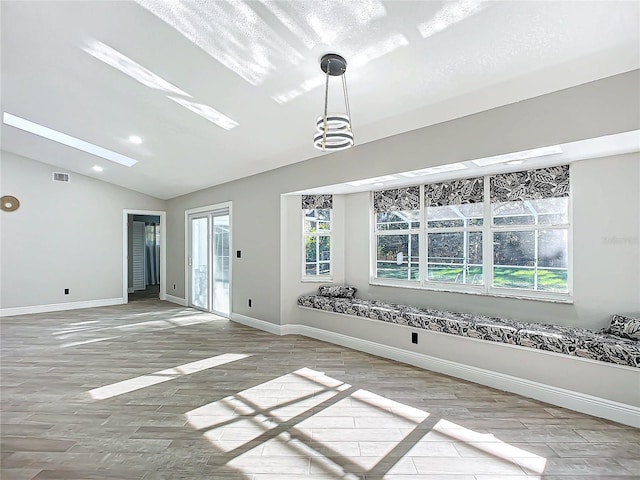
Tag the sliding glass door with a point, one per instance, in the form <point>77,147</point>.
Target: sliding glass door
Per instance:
<point>209,261</point>
<point>221,265</point>
<point>199,262</point>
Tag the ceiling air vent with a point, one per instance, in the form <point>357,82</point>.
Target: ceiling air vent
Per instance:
<point>60,177</point>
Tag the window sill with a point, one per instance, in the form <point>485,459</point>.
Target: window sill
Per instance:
<point>509,294</point>
<point>317,279</point>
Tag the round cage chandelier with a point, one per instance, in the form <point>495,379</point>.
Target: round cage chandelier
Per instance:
<point>333,130</point>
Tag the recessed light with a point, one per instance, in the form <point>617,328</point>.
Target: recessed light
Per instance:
<point>97,168</point>
<point>135,139</point>
<point>67,140</point>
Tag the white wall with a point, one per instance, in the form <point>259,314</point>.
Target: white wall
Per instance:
<point>64,235</point>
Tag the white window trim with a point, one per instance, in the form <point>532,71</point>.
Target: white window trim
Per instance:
<point>487,289</point>
<point>316,278</point>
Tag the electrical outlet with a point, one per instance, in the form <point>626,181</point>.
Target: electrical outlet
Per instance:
<point>414,337</point>
<point>238,254</point>
<point>249,303</point>
<point>66,291</point>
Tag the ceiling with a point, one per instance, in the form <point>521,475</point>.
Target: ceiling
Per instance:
<point>103,71</point>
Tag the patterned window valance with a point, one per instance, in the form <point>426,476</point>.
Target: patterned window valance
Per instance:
<point>455,192</point>
<point>531,185</point>
<point>312,202</point>
<point>397,199</point>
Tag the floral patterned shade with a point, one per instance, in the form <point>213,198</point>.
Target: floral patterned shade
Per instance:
<point>312,202</point>
<point>548,182</point>
<point>397,199</point>
<point>455,192</point>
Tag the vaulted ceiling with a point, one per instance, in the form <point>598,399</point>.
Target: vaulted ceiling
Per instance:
<point>220,90</point>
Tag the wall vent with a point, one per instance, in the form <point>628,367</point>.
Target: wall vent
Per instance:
<point>61,177</point>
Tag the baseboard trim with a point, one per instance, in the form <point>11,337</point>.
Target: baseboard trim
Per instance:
<point>257,324</point>
<point>178,300</point>
<point>56,307</point>
<point>580,402</point>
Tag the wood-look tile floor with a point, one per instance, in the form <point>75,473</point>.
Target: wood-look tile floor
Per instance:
<point>155,391</point>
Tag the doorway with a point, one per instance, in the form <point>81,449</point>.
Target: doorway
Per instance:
<point>208,259</point>
<point>144,255</point>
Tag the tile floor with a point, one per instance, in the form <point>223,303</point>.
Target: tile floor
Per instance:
<point>155,391</point>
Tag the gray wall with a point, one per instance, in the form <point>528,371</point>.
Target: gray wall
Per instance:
<point>64,235</point>
<point>599,108</point>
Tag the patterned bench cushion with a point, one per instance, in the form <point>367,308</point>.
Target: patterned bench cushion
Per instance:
<point>552,338</point>
<point>495,329</point>
<point>610,348</point>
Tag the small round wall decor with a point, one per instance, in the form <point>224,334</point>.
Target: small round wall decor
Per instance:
<point>9,203</point>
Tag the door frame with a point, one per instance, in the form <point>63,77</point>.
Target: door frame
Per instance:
<point>205,209</point>
<point>125,250</point>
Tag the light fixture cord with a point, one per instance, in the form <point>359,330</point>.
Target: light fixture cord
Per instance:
<point>326,103</point>
<point>346,101</point>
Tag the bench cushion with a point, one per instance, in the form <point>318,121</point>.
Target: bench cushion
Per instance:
<point>552,338</point>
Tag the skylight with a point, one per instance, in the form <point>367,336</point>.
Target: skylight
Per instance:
<point>432,170</point>
<point>68,140</point>
<point>522,155</point>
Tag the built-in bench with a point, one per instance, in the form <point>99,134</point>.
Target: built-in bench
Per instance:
<point>572,341</point>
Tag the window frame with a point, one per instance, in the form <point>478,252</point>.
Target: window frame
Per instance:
<point>487,288</point>
<point>374,247</point>
<point>318,278</point>
<point>473,287</point>
<point>510,291</point>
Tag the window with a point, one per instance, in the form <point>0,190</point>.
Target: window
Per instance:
<point>506,234</point>
<point>454,212</point>
<point>397,234</point>
<point>397,245</point>
<point>317,236</point>
<point>530,230</point>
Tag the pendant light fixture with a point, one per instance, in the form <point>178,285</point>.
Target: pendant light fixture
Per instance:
<point>333,130</point>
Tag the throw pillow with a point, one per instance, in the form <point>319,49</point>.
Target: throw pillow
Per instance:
<point>336,291</point>
<point>625,326</point>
